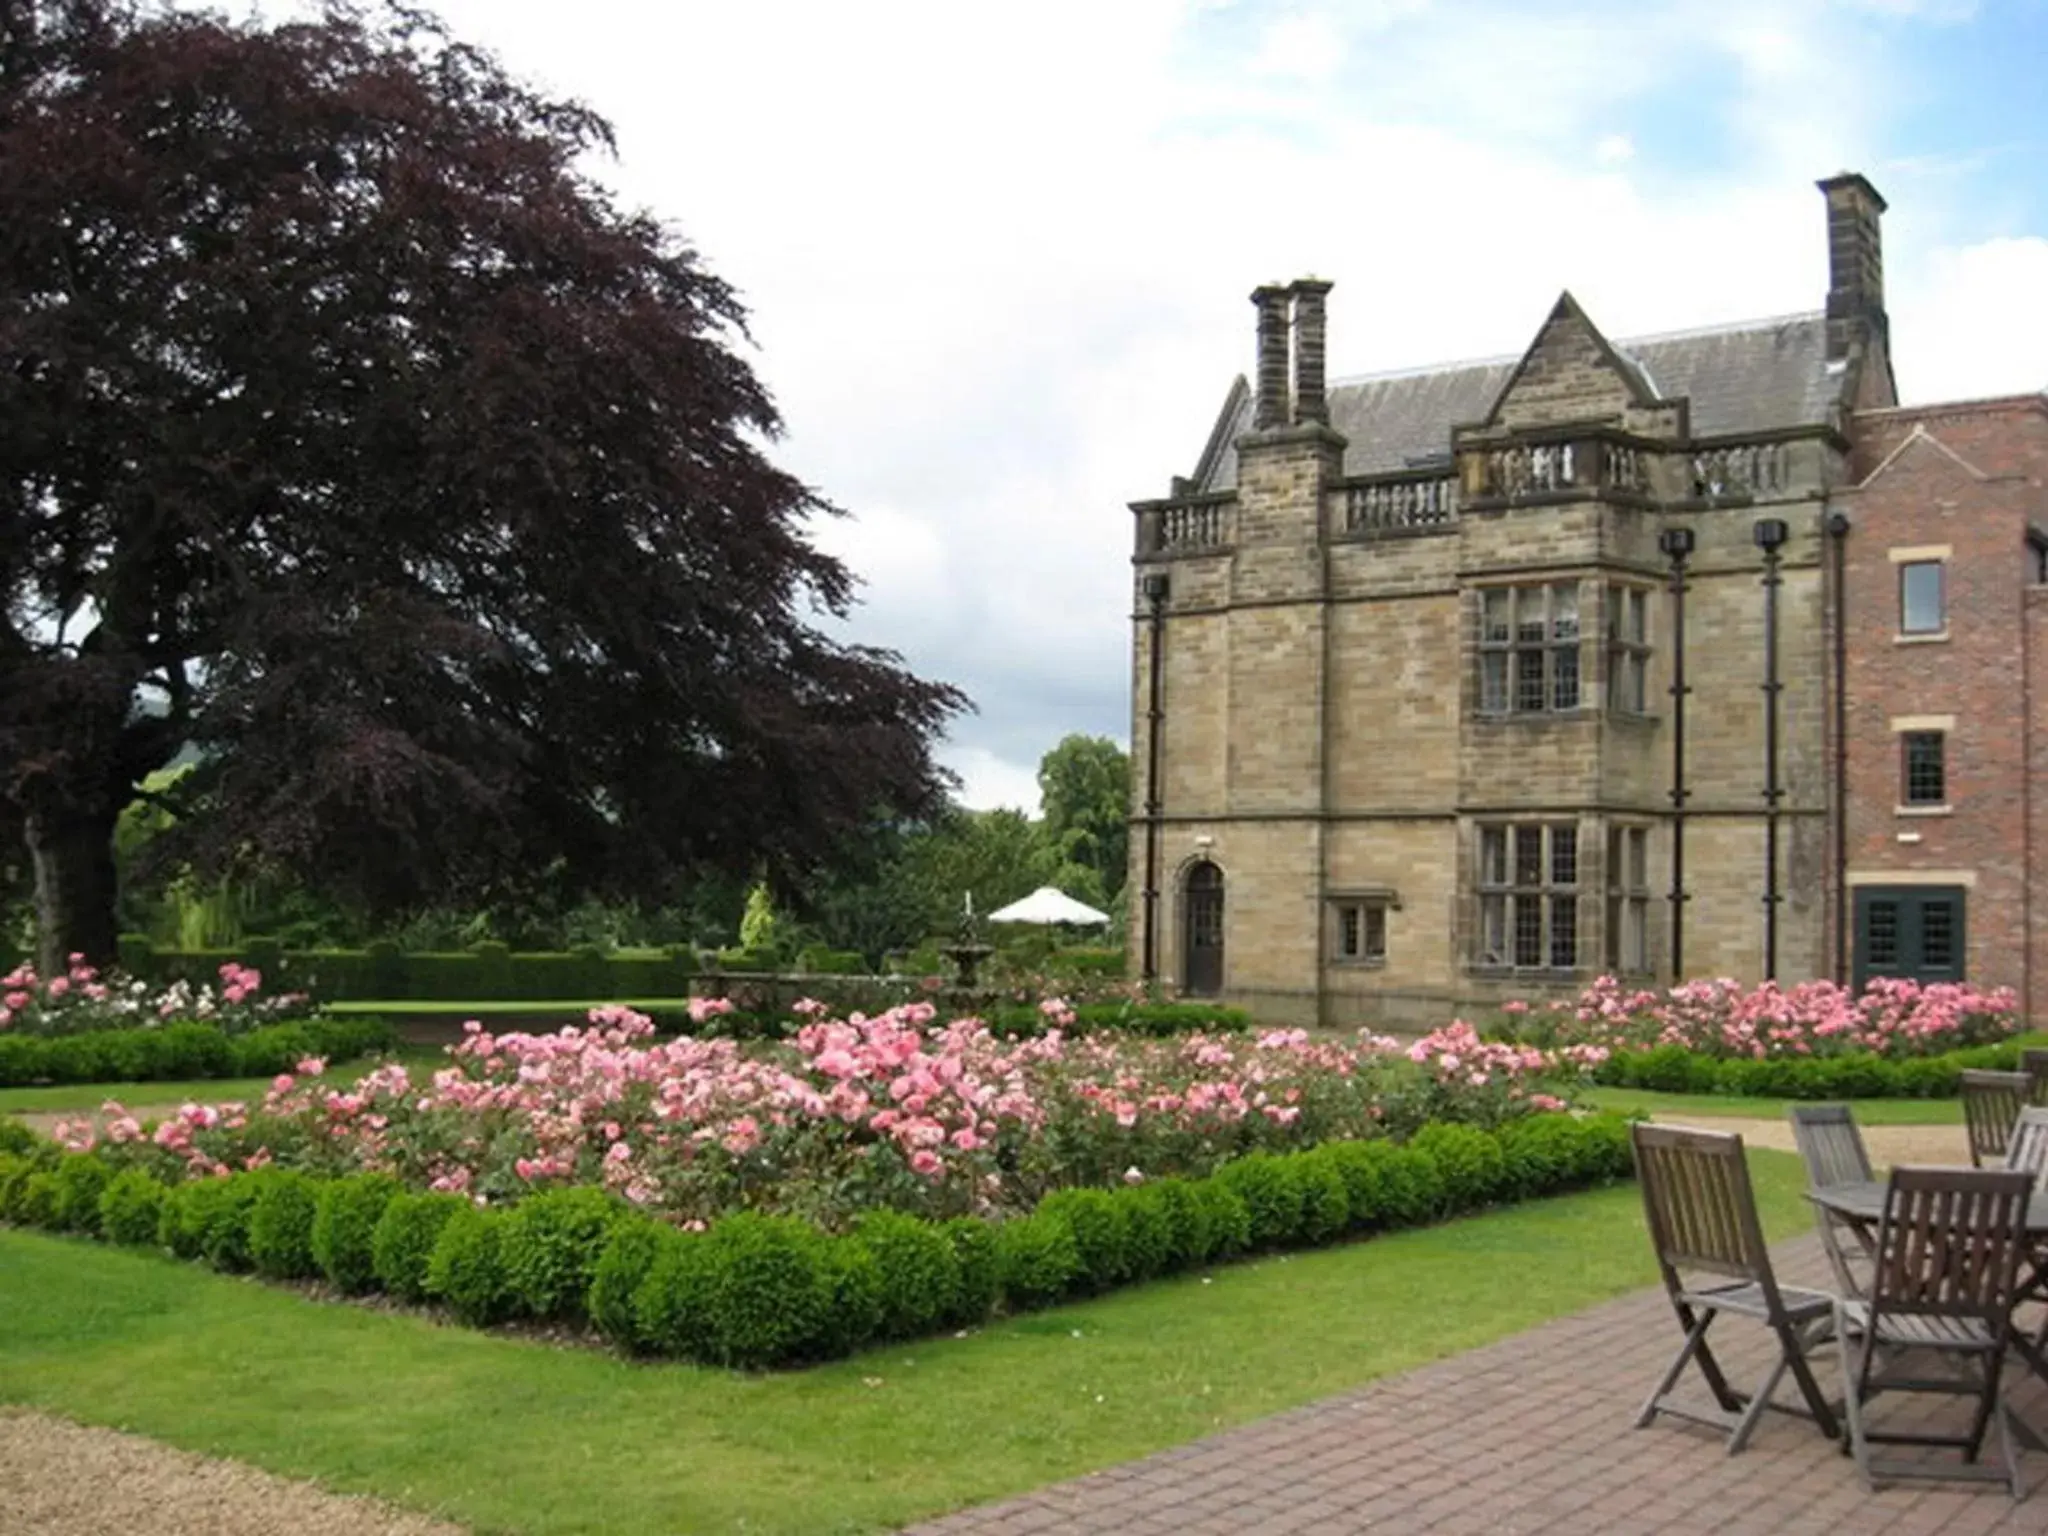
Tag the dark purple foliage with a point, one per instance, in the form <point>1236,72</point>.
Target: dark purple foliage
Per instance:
<point>347,426</point>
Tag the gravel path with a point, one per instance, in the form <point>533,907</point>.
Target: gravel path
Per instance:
<point>63,1479</point>
<point>1888,1144</point>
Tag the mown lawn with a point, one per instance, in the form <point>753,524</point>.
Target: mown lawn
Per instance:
<point>1629,1101</point>
<point>511,1436</point>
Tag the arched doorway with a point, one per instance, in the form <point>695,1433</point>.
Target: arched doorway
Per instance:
<point>1202,931</point>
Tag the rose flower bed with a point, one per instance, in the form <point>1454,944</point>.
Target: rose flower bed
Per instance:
<point>83,1027</point>
<point>874,1179</point>
<point>1811,1040</point>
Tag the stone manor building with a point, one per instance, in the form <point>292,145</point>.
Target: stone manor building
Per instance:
<point>1476,682</point>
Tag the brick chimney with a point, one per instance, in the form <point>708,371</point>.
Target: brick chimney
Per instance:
<point>1311,400</point>
<point>1269,409</point>
<point>1855,264</point>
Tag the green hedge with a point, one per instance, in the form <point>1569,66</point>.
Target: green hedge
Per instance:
<point>1861,1075</point>
<point>758,1291</point>
<point>1134,1018</point>
<point>176,1051</point>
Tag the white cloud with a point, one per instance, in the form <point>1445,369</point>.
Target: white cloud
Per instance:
<point>1979,324</point>
<point>1614,149</point>
<point>989,783</point>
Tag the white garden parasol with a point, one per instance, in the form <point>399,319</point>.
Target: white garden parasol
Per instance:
<point>1048,905</point>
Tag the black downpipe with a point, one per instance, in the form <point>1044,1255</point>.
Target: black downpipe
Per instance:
<point>1838,526</point>
<point>1155,587</point>
<point>1770,536</point>
<point>1677,544</point>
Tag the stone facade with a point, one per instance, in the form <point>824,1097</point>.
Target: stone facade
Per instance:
<point>1416,639</point>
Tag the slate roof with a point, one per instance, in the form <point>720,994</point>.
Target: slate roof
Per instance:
<point>1750,377</point>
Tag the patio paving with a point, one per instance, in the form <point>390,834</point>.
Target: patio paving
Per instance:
<point>1531,1434</point>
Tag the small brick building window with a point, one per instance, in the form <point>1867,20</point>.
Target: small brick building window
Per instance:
<point>1628,650</point>
<point>1924,776</point>
<point>1922,610</point>
<point>1628,900</point>
<point>1529,649</point>
<point>1528,896</point>
<point>1359,930</point>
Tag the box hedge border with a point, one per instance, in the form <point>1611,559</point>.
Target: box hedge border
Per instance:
<point>757,1291</point>
<point>1857,1075</point>
<point>170,1052</point>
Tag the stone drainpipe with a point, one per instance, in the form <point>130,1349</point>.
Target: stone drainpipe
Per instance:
<point>1312,409</point>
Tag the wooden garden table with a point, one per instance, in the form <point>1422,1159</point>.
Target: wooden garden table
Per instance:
<point>1861,1204</point>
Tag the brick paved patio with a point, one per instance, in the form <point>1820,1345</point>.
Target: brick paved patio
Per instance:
<point>1530,1434</point>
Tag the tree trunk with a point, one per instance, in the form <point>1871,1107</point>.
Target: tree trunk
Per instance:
<point>73,857</point>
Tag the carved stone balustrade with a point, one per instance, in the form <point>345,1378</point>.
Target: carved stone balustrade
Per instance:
<point>1385,504</point>
<point>1204,523</point>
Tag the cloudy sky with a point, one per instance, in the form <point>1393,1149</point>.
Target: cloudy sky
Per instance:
<point>997,256</point>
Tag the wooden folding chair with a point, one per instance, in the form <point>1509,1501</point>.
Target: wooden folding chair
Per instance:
<point>1948,1254</point>
<point>1831,1146</point>
<point>2034,1062</point>
<point>2027,1150</point>
<point>1992,1102</point>
<point>1702,1217</point>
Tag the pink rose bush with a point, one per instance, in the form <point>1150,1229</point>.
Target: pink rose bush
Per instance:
<point>1892,1017</point>
<point>81,1000</point>
<point>896,1110</point>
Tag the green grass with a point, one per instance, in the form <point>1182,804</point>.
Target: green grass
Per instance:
<point>1630,1101</point>
<point>159,1097</point>
<point>508,1436</point>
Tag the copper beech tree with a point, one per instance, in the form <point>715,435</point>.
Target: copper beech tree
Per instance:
<point>354,442</point>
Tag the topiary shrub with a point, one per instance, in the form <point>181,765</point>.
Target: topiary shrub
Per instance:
<point>551,1244</point>
<point>770,1294</point>
<point>1360,1166</point>
<point>16,1138</point>
<point>81,1180</point>
<point>1152,1243</point>
<point>979,1284</point>
<point>672,1306</point>
<point>1541,1153</point>
<point>1271,1194</point>
<point>633,1244</point>
<point>35,1201</point>
<point>281,1225</point>
<point>1468,1161</point>
<point>1037,1260</point>
<point>467,1270</point>
<point>225,1241</point>
<point>853,1314</point>
<point>1177,1206</point>
<point>402,1246</point>
<point>1225,1219</point>
<point>1325,1202</point>
<point>919,1272</point>
<point>345,1219</point>
<point>131,1208</point>
<point>1605,1148</point>
<point>1102,1234</point>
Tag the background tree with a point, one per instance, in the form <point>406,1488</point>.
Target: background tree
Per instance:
<point>358,440</point>
<point>1085,786</point>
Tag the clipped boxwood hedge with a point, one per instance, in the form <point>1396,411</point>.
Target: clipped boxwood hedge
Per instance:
<point>1859,1075</point>
<point>757,1291</point>
<point>171,1052</point>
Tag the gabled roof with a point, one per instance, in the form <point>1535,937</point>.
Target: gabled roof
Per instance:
<point>1755,376</point>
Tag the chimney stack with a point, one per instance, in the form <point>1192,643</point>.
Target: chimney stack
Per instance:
<point>1270,407</point>
<point>1311,400</point>
<point>1855,264</point>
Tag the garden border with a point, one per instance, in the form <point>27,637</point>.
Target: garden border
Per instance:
<point>758,1291</point>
